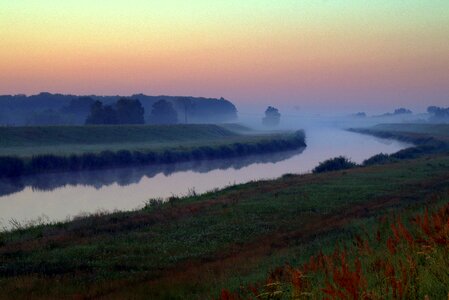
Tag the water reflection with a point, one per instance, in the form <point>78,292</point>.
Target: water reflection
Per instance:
<point>133,175</point>
<point>64,195</point>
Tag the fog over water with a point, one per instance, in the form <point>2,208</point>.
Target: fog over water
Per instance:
<point>56,197</point>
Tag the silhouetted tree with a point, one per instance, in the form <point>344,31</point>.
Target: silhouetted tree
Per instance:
<point>439,114</point>
<point>79,105</point>
<point>129,111</point>
<point>100,114</point>
<point>110,115</point>
<point>401,111</point>
<point>360,115</point>
<point>272,117</point>
<point>163,113</point>
<point>46,117</point>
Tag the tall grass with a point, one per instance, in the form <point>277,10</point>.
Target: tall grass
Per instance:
<point>403,258</point>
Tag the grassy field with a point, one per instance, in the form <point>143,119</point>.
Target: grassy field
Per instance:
<point>65,140</point>
<point>34,150</point>
<point>195,246</point>
<point>253,240</point>
<point>436,130</point>
<point>414,133</point>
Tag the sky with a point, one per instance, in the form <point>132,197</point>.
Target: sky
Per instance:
<point>372,55</point>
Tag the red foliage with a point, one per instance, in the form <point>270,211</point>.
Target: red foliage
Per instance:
<point>344,278</point>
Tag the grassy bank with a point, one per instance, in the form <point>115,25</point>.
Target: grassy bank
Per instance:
<point>31,150</point>
<point>194,247</point>
<point>427,139</point>
<point>431,135</point>
<point>404,257</point>
<point>66,140</point>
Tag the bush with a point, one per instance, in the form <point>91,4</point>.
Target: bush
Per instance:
<point>378,159</point>
<point>414,152</point>
<point>334,164</point>
<point>124,157</point>
<point>11,166</point>
<point>48,162</point>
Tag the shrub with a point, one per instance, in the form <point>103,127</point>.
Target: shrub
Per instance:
<point>124,157</point>
<point>11,166</point>
<point>334,164</point>
<point>48,162</point>
<point>378,159</point>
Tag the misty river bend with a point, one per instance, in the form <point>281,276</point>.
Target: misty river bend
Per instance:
<point>60,196</point>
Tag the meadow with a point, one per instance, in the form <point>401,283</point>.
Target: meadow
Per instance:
<point>32,150</point>
<point>374,231</point>
<point>28,141</point>
<point>194,247</point>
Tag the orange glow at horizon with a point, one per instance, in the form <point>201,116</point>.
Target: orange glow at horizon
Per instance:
<point>258,51</point>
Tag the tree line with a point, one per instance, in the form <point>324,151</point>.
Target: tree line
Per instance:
<point>131,111</point>
<point>59,109</point>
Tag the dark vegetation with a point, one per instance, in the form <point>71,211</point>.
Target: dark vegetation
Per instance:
<point>428,139</point>
<point>58,109</point>
<point>193,247</point>
<point>163,112</point>
<point>234,146</point>
<point>334,164</point>
<point>272,117</point>
<point>132,175</point>
<point>404,257</point>
<point>53,136</point>
<point>397,112</point>
<point>360,115</point>
<point>438,114</point>
<point>124,111</point>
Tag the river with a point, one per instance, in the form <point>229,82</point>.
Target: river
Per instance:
<point>61,196</point>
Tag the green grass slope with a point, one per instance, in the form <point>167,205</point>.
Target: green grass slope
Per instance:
<point>61,140</point>
<point>440,131</point>
<point>191,248</point>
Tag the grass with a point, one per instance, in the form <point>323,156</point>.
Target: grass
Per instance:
<point>402,257</point>
<point>193,247</point>
<point>418,134</point>
<point>436,130</point>
<point>248,240</point>
<point>65,140</point>
<point>32,150</point>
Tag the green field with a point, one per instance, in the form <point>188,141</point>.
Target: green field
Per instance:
<point>64,140</point>
<point>439,131</point>
<point>193,247</point>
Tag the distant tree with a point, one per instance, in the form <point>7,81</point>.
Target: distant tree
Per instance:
<point>272,117</point>
<point>438,114</point>
<point>46,117</point>
<point>163,113</point>
<point>96,113</point>
<point>129,111</point>
<point>110,115</point>
<point>401,111</point>
<point>80,105</point>
<point>360,115</point>
<point>100,114</point>
<point>188,107</point>
<point>433,109</point>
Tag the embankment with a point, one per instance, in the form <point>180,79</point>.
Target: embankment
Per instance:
<point>47,149</point>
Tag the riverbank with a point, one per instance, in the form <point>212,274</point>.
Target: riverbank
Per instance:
<point>33,150</point>
<point>427,139</point>
<point>431,135</point>
<point>192,247</point>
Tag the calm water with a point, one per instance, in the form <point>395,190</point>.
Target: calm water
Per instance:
<point>52,197</point>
